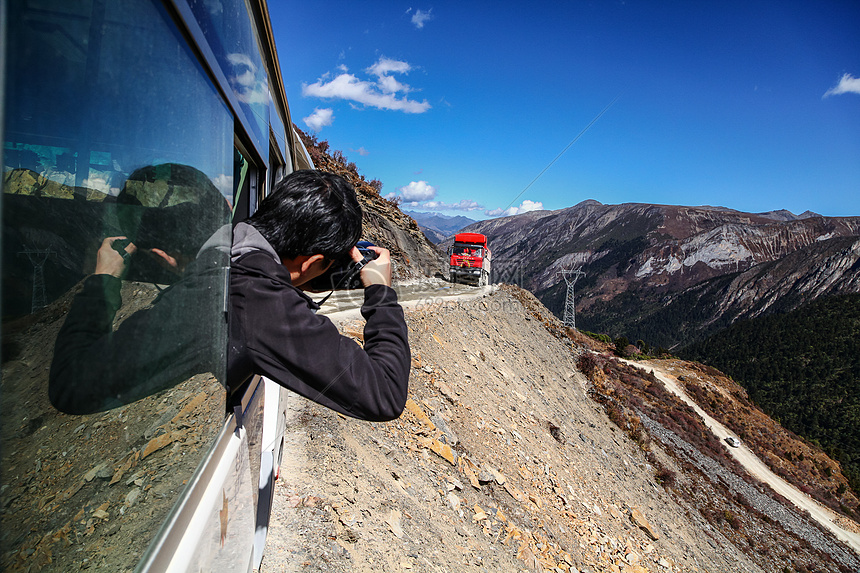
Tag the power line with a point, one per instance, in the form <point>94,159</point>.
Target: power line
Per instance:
<point>557,157</point>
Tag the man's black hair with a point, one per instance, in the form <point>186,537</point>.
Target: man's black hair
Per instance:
<point>310,212</point>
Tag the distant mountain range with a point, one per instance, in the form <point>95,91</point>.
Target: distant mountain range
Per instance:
<point>672,274</point>
<point>437,226</point>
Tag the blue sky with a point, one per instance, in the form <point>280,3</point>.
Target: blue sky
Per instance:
<point>458,106</point>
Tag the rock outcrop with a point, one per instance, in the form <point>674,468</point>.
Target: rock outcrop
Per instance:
<point>384,223</point>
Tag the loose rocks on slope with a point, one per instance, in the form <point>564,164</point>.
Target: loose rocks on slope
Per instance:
<point>525,473</point>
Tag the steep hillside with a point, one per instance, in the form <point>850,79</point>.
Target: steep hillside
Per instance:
<point>432,235</point>
<point>508,458</point>
<point>823,268</point>
<point>806,376</point>
<point>670,274</point>
<point>384,223</point>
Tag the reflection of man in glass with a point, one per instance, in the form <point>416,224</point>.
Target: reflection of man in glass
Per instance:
<point>173,223</point>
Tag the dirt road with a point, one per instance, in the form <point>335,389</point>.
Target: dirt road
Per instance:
<point>755,466</point>
<point>344,305</point>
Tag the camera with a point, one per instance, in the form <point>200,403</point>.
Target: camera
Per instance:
<point>344,273</point>
<point>143,268</point>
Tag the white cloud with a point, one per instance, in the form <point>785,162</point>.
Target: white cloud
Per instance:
<point>847,84</point>
<point>524,207</point>
<point>417,191</point>
<point>98,182</point>
<point>386,66</point>
<point>419,17</point>
<point>240,59</point>
<point>381,93</point>
<point>530,206</point>
<point>248,86</point>
<point>362,151</point>
<point>390,85</point>
<point>319,118</point>
<point>224,183</point>
<point>215,7</point>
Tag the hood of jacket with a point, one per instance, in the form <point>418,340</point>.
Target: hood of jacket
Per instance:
<point>246,239</point>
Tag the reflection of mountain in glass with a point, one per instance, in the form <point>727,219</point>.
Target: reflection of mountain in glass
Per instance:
<point>104,479</point>
<point>41,214</point>
<point>32,184</point>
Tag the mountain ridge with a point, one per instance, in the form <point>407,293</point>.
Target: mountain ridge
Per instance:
<point>437,226</point>
<point>643,252</point>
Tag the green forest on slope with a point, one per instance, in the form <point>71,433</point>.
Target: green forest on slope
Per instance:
<point>803,369</point>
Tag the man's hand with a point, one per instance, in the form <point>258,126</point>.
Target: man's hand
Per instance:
<point>377,271</point>
<point>113,259</point>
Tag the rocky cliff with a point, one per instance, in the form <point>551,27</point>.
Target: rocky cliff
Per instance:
<point>385,224</point>
<point>666,272</point>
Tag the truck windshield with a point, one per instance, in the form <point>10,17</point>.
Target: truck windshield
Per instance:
<point>470,251</point>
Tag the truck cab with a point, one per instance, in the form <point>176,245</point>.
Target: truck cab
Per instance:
<point>469,259</point>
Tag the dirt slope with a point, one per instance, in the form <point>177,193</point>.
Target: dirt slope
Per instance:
<point>503,462</point>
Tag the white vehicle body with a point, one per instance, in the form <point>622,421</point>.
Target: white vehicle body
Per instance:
<point>182,478</point>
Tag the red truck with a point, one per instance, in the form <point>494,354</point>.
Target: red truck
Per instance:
<point>469,259</point>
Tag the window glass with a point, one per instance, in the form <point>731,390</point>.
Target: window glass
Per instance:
<point>470,251</point>
<point>276,171</point>
<point>113,350</point>
<point>277,127</point>
<point>226,24</point>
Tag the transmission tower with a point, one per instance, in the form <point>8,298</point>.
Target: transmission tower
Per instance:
<point>570,277</point>
<point>38,257</point>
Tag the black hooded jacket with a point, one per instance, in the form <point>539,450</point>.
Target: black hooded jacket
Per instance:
<point>275,332</point>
